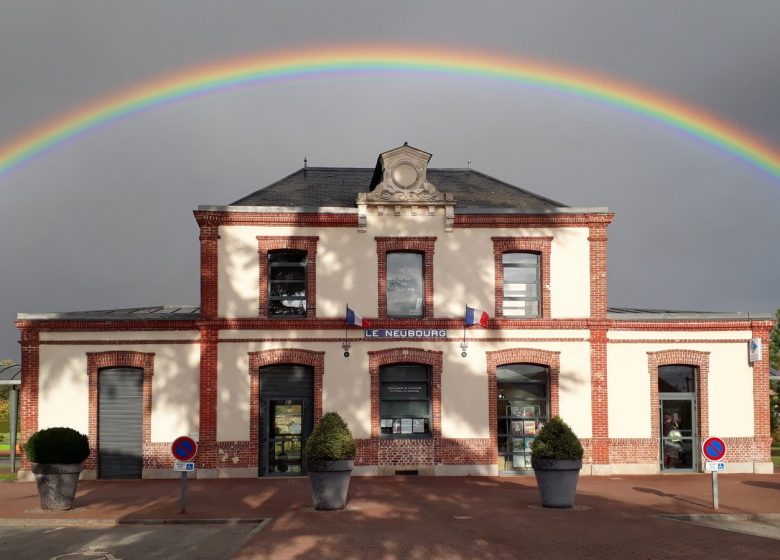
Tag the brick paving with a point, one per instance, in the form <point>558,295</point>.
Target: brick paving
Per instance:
<point>444,517</point>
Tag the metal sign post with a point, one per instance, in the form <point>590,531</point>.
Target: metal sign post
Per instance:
<point>183,449</point>
<point>714,449</point>
<point>14,396</point>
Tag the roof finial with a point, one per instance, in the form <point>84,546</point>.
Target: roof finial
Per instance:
<point>406,143</point>
<point>469,163</point>
<point>305,162</point>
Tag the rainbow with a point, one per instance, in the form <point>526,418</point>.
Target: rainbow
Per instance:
<point>360,59</point>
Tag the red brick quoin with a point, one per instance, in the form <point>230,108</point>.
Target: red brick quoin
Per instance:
<point>549,359</point>
<point>257,360</point>
<point>114,359</point>
<point>403,451</point>
<point>422,245</point>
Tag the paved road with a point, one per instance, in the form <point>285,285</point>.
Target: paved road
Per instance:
<point>123,542</point>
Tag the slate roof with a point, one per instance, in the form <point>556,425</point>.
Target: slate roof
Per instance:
<point>339,186</point>
<point>169,312</point>
<point>634,313</point>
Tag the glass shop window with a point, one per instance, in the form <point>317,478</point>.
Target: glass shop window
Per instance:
<point>521,284</point>
<point>405,401</point>
<point>405,285</point>
<point>287,284</point>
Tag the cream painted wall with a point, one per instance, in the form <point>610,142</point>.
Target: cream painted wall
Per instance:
<point>346,385</point>
<point>730,390</point>
<point>347,266</point>
<point>628,386</point>
<point>64,390</point>
<point>617,334</point>
<point>343,259</point>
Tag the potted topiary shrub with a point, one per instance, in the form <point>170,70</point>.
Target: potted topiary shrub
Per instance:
<point>556,456</point>
<point>330,454</point>
<point>56,455</point>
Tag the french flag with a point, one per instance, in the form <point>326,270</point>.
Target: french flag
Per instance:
<point>476,317</point>
<point>355,319</point>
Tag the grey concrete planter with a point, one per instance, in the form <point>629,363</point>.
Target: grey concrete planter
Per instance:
<point>557,481</point>
<point>329,482</point>
<point>56,484</point>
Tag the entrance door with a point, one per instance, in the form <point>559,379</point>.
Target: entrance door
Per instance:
<point>120,423</point>
<point>521,411</point>
<point>286,418</point>
<point>679,441</point>
<point>285,439</point>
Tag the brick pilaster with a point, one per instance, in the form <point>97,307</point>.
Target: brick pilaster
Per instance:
<point>597,239</point>
<point>207,453</point>
<point>761,427</point>
<point>28,409</point>
<point>599,393</point>
<point>209,261</point>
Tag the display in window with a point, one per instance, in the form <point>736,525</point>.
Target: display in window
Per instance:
<point>418,426</point>
<point>406,425</point>
<point>529,427</point>
<point>397,426</point>
<point>528,443</point>
<point>518,446</point>
<point>521,461</point>
<point>517,427</point>
<point>516,411</point>
<point>530,411</point>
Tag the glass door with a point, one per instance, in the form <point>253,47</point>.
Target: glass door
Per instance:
<point>285,437</point>
<point>679,440</point>
<point>521,411</point>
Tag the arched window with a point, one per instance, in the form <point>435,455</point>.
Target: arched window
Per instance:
<point>287,283</point>
<point>405,400</point>
<point>405,285</point>
<point>521,284</point>
<point>676,379</point>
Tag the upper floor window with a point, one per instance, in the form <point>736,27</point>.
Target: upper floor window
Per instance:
<point>287,284</point>
<point>405,285</point>
<point>522,273</point>
<point>288,277</point>
<point>405,277</point>
<point>521,284</point>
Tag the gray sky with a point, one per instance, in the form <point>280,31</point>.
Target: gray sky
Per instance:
<point>106,220</point>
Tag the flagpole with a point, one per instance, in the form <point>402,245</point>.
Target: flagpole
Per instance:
<point>465,314</point>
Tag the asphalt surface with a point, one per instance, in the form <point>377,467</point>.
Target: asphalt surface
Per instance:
<point>399,518</point>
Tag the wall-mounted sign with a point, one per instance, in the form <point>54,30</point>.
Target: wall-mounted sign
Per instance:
<point>407,390</point>
<point>755,350</point>
<point>405,333</point>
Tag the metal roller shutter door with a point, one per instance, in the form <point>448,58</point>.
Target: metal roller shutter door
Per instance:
<point>120,423</point>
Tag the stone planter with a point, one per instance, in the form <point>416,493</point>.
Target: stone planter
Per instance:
<point>329,482</point>
<point>557,481</point>
<point>56,484</point>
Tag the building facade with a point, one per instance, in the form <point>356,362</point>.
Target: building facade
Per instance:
<point>407,247</point>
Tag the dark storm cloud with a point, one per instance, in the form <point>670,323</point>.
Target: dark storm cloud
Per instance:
<point>105,220</point>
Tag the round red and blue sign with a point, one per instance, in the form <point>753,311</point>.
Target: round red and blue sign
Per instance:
<point>714,448</point>
<point>184,448</point>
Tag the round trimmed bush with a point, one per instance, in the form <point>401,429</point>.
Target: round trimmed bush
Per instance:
<point>556,440</point>
<point>57,445</point>
<point>331,440</point>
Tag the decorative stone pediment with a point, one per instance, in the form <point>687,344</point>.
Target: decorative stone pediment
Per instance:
<point>400,180</point>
